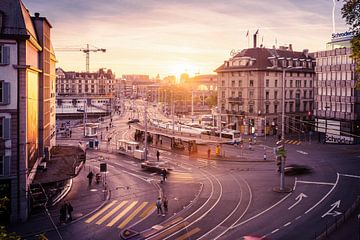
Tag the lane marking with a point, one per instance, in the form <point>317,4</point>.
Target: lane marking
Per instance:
<point>349,175</point>
<point>321,200</point>
<point>274,231</point>
<point>111,212</point>
<point>121,214</point>
<point>302,152</point>
<point>287,224</point>
<point>317,183</point>
<point>89,220</point>
<point>297,218</point>
<point>298,200</point>
<point>132,215</point>
<point>188,234</point>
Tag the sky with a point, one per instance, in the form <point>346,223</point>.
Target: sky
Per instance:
<point>168,37</point>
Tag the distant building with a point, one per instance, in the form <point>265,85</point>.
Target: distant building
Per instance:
<point>337,92</point>
<point>250,90</point>
<point>27,107</point>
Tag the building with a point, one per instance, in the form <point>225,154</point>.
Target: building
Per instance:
<point>84,83</point>
<point>250,90</point>
<point>27,108</point>
<point>337,102</point>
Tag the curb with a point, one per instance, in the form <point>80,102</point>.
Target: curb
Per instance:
<point>63,194</point>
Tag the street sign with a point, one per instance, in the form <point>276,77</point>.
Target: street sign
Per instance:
<point>103,167</point>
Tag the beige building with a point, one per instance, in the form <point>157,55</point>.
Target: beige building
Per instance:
<point>27,110</point>
<point>250,90</point>
<point>101,82</point>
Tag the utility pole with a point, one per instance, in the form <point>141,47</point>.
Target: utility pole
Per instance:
<point>145,119</point>
<point>84,120</point>
<point>282,172</point>
<point>173,112</point>
<point>192,104</point>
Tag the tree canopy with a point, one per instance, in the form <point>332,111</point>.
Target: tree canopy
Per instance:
<point>351,13</point>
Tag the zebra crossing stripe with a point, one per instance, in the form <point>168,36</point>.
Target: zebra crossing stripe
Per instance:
<point>170,230</point>
<point>188,234</point>
<point>128,208</point>
<point>148,210</point>
<point>89,220</point>
<point>111,212</point>
<point>132,215</point>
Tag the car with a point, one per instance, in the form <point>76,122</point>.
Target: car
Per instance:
<point>153,166</point>
<point>135,120</point>
<point>296,169</point>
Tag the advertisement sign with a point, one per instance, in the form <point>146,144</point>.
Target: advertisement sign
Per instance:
<point>332,138</point>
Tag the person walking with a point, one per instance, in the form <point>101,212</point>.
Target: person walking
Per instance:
<point>165,204</point>
<point>209,152</point>
<point>70,209</point>
<point>158,155</point>
<point>90,177</point>
<point>158,206</point>
<point>62,214</point>
<point>163,174</point>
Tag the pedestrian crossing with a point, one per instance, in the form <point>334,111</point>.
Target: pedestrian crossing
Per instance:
<point>120,214</point>
<point>177,176</point>
<point>294,142</point>
<point>205,163</point>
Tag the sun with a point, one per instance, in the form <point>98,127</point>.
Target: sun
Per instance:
<point>179,68</point>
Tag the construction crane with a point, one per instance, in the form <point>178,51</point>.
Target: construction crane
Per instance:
<point>86,50</point>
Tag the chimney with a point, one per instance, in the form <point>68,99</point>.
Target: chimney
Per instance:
<point>290,47</point>
<point>306,52</point>
<point>37,15</point>
<point>255,37</point>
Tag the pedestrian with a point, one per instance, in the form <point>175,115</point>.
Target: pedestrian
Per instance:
<point>62,214</point>
<point>158,155</point>
<point>90,177</point>
<point>70,133</point>
<point>264,156</point>
<point>209,152</point>
<point>158,206</point>
<point>70,209</point>
<point>165,204</point>
<point>163,174</point>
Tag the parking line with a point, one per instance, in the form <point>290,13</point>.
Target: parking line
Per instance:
<point>89,220</point>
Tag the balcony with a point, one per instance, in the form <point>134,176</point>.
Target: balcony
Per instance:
<point>236,100</point>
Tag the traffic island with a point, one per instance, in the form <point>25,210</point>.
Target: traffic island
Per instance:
<point>128,234</point>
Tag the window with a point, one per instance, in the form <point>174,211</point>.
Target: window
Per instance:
<point>251,95</point>
<point>4,54</point>
<point>5,128</point>
<point>233,94</point>
<point>240,83</point>
<point>276,83</point>
<point>291,83</point>
<point>267,73</point>
<point>291,107</point>
<point>310,94</point>
<point>275,95</point>
<point>233,83</point>
<point>266,108</point>
<point>305,94</point>
<point>251,108</point>
<point>275,108</point>
<point>291,94</point>
<point>298,83</point>
<point>4,92</point>
<point>305,82</point>
<point>305,106</point>
<point>267,83</point>
<point>223,83</point>
<point>251,83</point>
<point>267,95</point>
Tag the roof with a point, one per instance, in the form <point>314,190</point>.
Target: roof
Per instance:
<point>261,56</point>
<point>16,20</point>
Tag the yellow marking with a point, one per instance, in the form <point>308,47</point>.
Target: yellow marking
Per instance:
<point>132,215</point>
<point>89,220</point>
<point>111,212</point>
<point>188,234</point>
<point>173,222</point>
<point>121,214</point>
<point>148,210</point>
<point>170,230</point>
<point>298,143</point>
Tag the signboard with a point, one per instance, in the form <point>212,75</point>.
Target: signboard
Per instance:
<point>348,35</point>
<point>332,138</point>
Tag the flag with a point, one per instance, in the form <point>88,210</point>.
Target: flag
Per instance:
<point>257,31</point>
<point>247,34</point>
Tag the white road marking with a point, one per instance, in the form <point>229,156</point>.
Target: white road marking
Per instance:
<point>348,175</point>
<point>302,152</point>
<point>318,183</point>
<point>331,211</point>
<point>298,198</point>
<point>274,231</point>
<point>287,224</point>
<point>298,218</point>
<point>332,189</point>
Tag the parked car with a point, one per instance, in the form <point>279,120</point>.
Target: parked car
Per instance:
<point>296,169</point>
<point>135,120</point>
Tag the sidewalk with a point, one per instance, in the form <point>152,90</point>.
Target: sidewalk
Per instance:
<point>83,199</point>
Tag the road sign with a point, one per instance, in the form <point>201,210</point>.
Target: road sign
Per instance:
<point>103,167</point>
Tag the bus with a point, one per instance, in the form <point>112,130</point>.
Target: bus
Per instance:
<point>234,136</point>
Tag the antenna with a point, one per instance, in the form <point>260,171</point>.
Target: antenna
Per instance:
<point>333,16</point>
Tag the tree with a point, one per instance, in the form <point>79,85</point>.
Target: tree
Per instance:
<point>351,13</point>
<point>211,100</point>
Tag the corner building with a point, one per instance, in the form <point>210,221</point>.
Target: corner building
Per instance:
<point>250,90</point>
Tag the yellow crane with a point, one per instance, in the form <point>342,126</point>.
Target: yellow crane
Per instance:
<point>86,50</point>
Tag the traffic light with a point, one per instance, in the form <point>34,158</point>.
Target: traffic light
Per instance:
<point>280,149</point>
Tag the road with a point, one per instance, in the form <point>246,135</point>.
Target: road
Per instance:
<point>223,199</point>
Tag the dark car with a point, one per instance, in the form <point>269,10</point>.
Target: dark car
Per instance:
<point>135,120</point>
<point>157,167</point>
<point>296,169</point>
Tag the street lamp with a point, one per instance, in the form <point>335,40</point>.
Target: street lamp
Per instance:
<point>282,140</point>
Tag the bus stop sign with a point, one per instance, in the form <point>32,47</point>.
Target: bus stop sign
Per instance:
<point>103,167</point>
